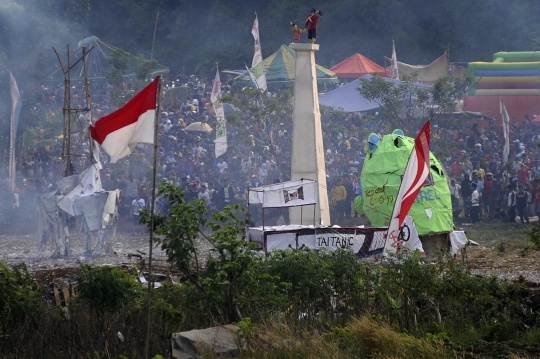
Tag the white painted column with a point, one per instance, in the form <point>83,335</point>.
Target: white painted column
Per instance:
<point>307,142</point>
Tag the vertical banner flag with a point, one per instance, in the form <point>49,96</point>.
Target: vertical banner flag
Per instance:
<point>415,174</point>
<point>221,125</point>
<point>506,131</point>
<point>257,66</point>
<point>15,112</point>
<point>251,77</point>
<point>119,132</point>
<point>221,130</point>
<point>395,72</point>
<point>216,89</point>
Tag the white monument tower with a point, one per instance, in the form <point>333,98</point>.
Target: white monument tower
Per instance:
<point>307,144</point>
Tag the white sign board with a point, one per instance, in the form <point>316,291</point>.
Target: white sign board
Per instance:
<point>286,194</point>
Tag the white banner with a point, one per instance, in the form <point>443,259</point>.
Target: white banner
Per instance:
<point>15,110</point>
<point>394,62</point>
<point>216,89</point>
<point>506,130</point>
<point>285,194</point>
<point>221,130</point>
<point>257,66</point>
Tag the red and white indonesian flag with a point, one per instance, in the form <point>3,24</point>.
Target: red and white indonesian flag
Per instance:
<point>395,72</point>
<point>119,132</point>
<point>415,174</point>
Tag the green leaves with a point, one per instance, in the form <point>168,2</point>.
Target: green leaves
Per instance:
<point>106,288</point>
<point>20,295</point>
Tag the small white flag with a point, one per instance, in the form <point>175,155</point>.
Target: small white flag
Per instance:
<point>216,89</point>
<point>395,72</point>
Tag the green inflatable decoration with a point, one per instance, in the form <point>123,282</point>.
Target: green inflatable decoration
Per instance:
<point>381,177</point>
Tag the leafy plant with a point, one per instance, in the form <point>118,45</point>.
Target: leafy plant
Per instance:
<point>106,288</point>
<point>224,280</point>
<point>20,295</point>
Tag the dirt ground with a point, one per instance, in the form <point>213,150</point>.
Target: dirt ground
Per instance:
<point>19,242</point>
<point>502,250</point>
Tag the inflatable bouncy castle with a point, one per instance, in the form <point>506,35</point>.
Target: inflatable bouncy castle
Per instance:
<point>512,76</point>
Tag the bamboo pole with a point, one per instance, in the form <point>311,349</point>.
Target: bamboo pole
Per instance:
<point>152,219</point>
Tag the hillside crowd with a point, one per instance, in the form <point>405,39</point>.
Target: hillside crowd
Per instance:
<point>483,187</point>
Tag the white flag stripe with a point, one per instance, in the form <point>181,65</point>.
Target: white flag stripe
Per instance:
<point>120,143</point>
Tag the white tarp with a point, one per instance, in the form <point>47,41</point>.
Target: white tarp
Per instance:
<point>458,240</point>
<point>425,73</point>
<point>89,183</point>
<point>286,194</point>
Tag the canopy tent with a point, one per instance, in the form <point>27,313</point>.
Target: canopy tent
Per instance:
<point>357,66</point>
<point>425,73</point>
<point>97,64</point>
<point>280,70</point>
<point>349,99</point>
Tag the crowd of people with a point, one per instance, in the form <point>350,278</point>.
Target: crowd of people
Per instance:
<point>482,185</point>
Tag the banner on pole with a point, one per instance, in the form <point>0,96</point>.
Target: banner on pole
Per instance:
<point>221,130</point>
<point>257,65</point>
<point>395,72</point>
<point>506,130</point>
<point>15,113</point>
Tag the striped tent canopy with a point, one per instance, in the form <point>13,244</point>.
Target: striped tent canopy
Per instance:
<point>279,70</point>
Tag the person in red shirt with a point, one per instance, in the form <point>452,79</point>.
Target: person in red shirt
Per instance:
<point>523,175</point>
<point>296,32</point>
<point>456,169</point>
<point>311,24</point>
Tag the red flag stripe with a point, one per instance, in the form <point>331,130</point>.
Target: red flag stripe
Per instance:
<point>127,115</point>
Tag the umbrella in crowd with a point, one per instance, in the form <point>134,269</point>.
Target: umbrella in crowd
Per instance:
<point>199,127</point>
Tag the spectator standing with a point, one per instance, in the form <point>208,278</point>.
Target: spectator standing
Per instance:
<point>136,207</point>
<point>222,165</point>
<point>350,195</point>
<point>475,204</point>
<point>511,203</point>
<point>522,199</point>
<point>338,197</point>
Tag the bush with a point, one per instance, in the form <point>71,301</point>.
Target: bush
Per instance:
<point>106,288</point>
<point>20,298</point>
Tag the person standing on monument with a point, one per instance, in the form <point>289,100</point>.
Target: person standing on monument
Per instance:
<point>311,24</point>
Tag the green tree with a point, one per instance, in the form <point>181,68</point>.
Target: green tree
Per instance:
<point>223,280</point>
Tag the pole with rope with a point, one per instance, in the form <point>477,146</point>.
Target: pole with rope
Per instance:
<point>152,218</point>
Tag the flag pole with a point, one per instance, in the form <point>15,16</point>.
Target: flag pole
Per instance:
<point>152,217</point>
